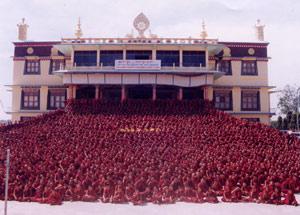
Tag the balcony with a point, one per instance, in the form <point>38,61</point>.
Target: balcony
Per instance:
<point>137,66</point>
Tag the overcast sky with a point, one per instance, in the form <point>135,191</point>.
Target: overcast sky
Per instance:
<point>226,20</point>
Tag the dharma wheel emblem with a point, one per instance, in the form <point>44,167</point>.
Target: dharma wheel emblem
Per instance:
<point>141,23</point>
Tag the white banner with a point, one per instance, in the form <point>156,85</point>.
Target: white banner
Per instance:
<point>138,64</point>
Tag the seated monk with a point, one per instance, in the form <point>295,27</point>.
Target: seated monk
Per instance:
<point>107,193</point>
<point>168,195</point>
<point>276,196</point>
<point>289,198</point>
<point>119,195</point>
<point>211,197</point>
<point>254,193</point>
<point>89,195</point>
<point>156,196</point>
<point>129,190</point>
<point>236,194</point>
<point>227,194</point>
<point>54,198</point>
<point>264,197</point>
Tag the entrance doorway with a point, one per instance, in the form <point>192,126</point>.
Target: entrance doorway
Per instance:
<point>139,92</point>
<point>191,93</point>
<point>112,93</point>
<point>86,92</point>
<point>166,92</point>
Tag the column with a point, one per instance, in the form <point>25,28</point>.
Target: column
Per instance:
<point>70,92</point>
<point>123,97</point>
<point>154,92</point>
<point>208,93</point>
<point>180,58</point>
<point>124,54</point>
<point>180,94</point>
<point>74,91</point>
<point>206,58</point>
<point>154,54</point>
<point>98,57</point>
<point>97,92</point>
<point>72,58</point>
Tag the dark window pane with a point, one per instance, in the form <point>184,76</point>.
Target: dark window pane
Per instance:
<point>225,66</point>
<point>168,58</point>
<point>85,58</point>
<point>250,100</point>
<point>107,58</point>
<point>194,58</point>
<point>56,65</point>
<point>138,55</point>
<point>30,99</point>
<point>249,68</point>
<point>32,67</point>
<point>56,98</point>
<point>223,99</point>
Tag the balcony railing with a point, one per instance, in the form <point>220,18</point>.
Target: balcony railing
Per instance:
<point>136,65</point>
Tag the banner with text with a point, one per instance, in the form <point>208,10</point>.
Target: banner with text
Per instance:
<point>138,64</point>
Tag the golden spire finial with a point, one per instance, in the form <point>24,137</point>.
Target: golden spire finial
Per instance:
<point>78,31</point>
<point>22,30</point>
<point>203,32</point>
<point>259,30</point>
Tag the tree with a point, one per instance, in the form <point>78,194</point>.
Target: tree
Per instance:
<point>288,99</point>
<point>279,123</point>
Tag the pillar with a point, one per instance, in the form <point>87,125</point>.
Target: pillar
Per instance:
<point>74,91</point>
<point>180,58</point>
<point>154,54</point>
<point>124,54</point>
<point>123,97</point>
<point>98,57</point>
<point>70,92</point>
<point>180,94</point>
<point>97,92</point>
<point>154,92</point>
<point>208,93</point>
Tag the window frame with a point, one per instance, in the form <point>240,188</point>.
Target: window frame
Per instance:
<point>247,108</point>
<point>115,55</point>
<point>162,55</point>
<point>223,92</point>
<point>222,67</point>
<point>193,55</point>
<point>55,96</point>
<point>85,63</point>
<point>246,70</point>
<point>30,91</point>
<point>61,62</point>
<point>34,70</point>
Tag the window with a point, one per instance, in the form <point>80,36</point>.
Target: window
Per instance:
<point>85,58</point>
<point>56,98</point>
<point>252,119</point>
<point>56,65</point>
<point>225,66</point>
<point>193,58</point>
<point>138,55</point>
<point>249,68</point>
<point>223,99</point>
<point>107,58</point>
<point>250,100</point>
<point>32,67</point>
<point>168,58</point>
<point>30,99</point>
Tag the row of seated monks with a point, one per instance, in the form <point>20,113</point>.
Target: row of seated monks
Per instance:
<point>143,151</point>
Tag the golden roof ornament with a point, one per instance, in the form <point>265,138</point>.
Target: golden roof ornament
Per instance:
<point>141,23</point>
<point>203,34</point>
<point>78,31</point>
<point>259,31</point>
<point>22,30</point>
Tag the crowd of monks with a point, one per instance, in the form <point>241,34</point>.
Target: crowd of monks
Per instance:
<point>139,152</point>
